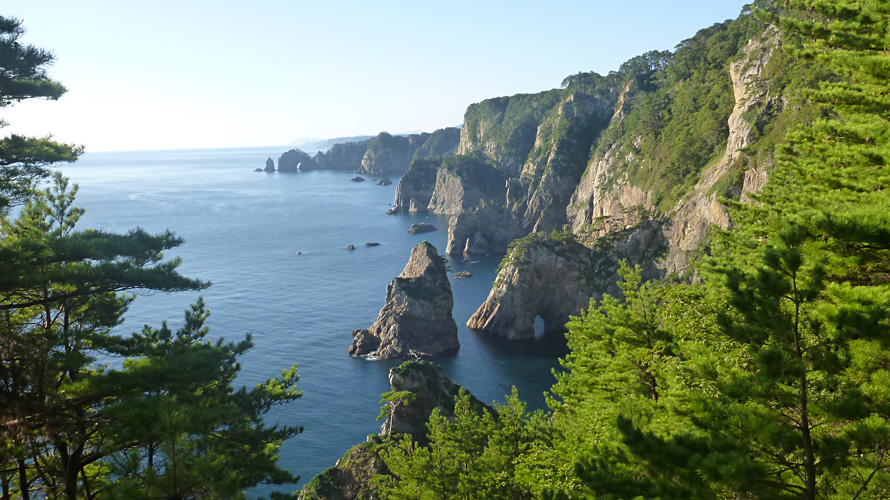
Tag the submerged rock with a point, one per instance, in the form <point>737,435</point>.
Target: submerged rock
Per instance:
<point>258,169</point>
<point>357,178</point>
<point>372,244</point>
<point>422,227</point>
<point>416,319</point>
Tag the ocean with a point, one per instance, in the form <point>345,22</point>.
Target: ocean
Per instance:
<point>274,247</point>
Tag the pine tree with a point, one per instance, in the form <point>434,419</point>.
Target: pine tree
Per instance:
<point>800,408</point>
<point>24,160</point>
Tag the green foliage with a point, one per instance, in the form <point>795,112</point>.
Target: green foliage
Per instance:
<point>510,123</point>
<point>442,142</point>
<point>23,160</point>
<point>517,249</point>
<point>421,174</point>
<point>470,456</point>
<point>392,400</point>
<point>182,428</point>
<point>170,421</point>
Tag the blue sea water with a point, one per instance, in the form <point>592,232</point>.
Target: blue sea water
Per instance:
<point>274,247</point>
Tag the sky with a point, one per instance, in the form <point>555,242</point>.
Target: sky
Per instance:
<point>226,73</point>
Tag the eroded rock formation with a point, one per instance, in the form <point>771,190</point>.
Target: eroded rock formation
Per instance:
<point>291,161</point>
<point>554,276</point>
<point>416,319</point>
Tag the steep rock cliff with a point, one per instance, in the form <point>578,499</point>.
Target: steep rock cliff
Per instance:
<point>416,187</point>
<point>416,319</point>
<point>619,187</point>
<point>556,163</point>
<point>504,128</point>
<point>464,183</point>
<point>701,209</point>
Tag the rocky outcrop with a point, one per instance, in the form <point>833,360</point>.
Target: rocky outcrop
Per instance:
<point>270,165</point>
<point>291,161</point>
<point>442,142</point>
<point>554,276</point>
<point>416,187</point>
<point>504,128</point>
<point>432,389</point>
<point>422,227</point>
<point>345,157</point>
<point>416,319</point>
<point>701,208</point>
<point>389,154</point>
<point>558,160</point>
<point>486,229</point>
<point>607,200</point>
<point>350,478</point>
<point>464,183</point>
<point>386,181</point>
<point>386,155</point>
<point>357,178</point>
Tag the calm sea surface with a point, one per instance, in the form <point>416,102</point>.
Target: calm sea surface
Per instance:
<point>274,247</point>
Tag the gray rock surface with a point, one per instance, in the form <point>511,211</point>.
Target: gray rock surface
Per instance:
<point>270,165</point>
<point>557,277</point>
<point>416,318</point>
<point>432,388</point>
<point>422,227</point>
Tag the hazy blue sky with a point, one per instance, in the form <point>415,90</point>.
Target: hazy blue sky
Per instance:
<point>188,74</point>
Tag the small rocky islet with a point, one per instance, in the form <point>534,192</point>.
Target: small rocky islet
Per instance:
<point>416,319</point>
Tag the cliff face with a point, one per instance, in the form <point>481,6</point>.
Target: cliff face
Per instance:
<point>416,319</point>
<point>416,187</point>
<point>503,129</point>
<point>610,197</point>
<point>464,183</point>
<point>651,191</point>
<point>554,276</point>
<point>538,144</point>
<point>555,165</point>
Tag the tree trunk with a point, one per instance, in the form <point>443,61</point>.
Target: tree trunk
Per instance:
<point>24,487</point>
